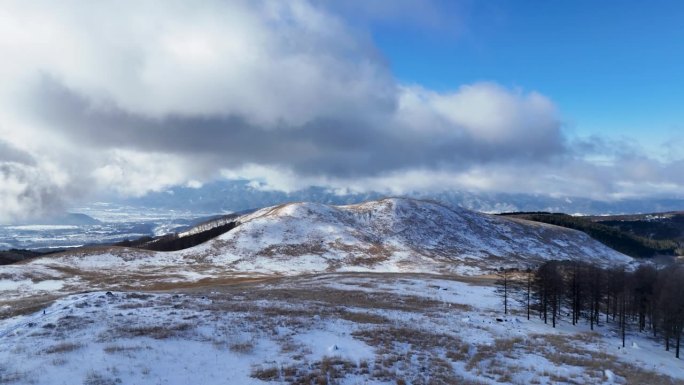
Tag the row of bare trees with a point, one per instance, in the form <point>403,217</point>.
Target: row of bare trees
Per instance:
<point>647,299</point>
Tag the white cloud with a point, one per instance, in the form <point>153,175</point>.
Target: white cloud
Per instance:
<point>30,190</point>
<point>137,96</point>
<point>135,173</point>
<point>269,61</point>
<point>486,112</point>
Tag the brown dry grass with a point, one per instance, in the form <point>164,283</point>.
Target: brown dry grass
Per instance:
<point>293,250</point>
<point>328,371</point>
<point>94,378</point>
<point>158,280</point>
<point>14,308</point>
<point>426,351</point>
<point>363,317</point>
<point>270,373</point>
<point>495,361</point>
<point>265,303</point>
<point>568,350</point>
<point>502,346</point>
<point>242,347</point>
<point>358,299</point>
<point>158,332</point>
<point>64,347</point>
<point>12,376</point>
<point>115,349</point>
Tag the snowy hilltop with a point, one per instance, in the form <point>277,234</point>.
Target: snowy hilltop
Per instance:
<point>389,235</point>
<point>395,234</point>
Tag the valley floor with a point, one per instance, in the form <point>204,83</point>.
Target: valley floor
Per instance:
<point>325,329</point>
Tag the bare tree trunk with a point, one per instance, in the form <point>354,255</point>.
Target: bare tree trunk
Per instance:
<point>506,293</point>
<point>554,308</point>
<point>529,289</point>
<point>667,339</point>
<point>623,316</point>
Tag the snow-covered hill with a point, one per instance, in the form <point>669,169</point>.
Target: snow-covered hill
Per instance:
<point>390,235</point>
<point>394,235</point>
<point>241,308</point>
<point>397,235</point>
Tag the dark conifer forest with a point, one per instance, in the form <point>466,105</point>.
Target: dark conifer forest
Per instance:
<point>648,300</point>
<point>616,235</point>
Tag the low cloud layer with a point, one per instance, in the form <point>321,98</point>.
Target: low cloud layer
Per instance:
<point>133,97</point>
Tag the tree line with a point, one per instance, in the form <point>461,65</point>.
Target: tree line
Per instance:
<point>622,241</point>
<point>174,242</point>
<point>648,299</point>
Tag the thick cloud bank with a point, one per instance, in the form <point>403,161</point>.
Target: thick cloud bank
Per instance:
<point>133,96</point>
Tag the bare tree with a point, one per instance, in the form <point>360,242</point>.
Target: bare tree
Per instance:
<point>574,288</point>
<point>671,304</point>
<point>644,280</point>
<point>528,291</point>
<point>595,284</point>
<point>648,296</point>
<point>504,285</point>
<point>548,283</point>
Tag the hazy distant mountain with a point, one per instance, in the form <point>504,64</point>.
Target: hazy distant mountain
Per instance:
<point>68,219</point>
<point>241,195</point>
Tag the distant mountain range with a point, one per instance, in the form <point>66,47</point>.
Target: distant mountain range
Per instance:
<point>68,219</point>
<point>232,196</point>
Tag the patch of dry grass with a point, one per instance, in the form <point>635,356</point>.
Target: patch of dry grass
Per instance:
<point>364,317</point>
<point>94,378</point>
<point>242,347</point>
<point>64,347</point>
<point>570,351</point>
<point>158,332</point>
<point>430,355</point>
<point>357,299</point>
<point>24,306</point>
<point>328,371</point>
<point>269,373</point>
<point>114,349</point>
<point>8,376</point>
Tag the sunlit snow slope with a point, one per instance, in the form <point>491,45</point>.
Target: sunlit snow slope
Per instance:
<point>390,235</point>
<point>397,235</point>
<point>394,235</point>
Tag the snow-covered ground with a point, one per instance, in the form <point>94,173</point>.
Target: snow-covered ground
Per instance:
<point>351,328</point>
<point>307,293</point>
<point>391,235</point>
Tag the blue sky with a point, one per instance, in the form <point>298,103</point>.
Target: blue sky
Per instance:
<point>612,67</point>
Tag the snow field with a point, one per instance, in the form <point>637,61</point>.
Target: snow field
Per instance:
<point>341,328</point>
<point>391,235</point>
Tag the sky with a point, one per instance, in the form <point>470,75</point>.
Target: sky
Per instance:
<point>612,67</point>
<point>577,99</point>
